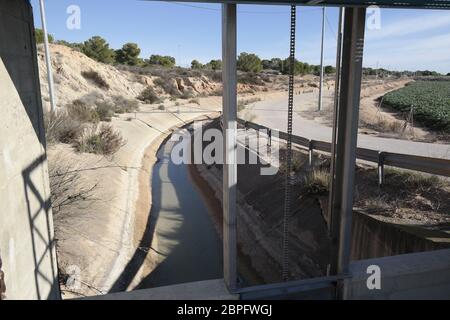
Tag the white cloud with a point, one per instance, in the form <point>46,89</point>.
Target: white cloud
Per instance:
<point>409,26</point>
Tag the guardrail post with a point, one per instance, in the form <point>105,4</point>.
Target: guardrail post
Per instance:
<point>380,168</point>
<point>311,152</point>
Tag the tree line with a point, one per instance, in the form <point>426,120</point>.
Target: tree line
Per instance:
<point>98,49</point>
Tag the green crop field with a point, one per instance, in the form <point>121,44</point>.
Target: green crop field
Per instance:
<point>431,101</point>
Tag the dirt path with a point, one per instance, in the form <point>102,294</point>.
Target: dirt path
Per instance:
<point>272,112</point>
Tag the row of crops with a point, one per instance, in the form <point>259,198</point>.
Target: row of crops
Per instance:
<point>430,101</point>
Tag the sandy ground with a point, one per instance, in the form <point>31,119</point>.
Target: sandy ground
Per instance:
<point>98,239</point>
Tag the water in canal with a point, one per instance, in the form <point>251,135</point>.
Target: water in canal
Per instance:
<point>187,242</point>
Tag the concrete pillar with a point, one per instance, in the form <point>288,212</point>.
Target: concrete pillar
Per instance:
<point>26,228</point>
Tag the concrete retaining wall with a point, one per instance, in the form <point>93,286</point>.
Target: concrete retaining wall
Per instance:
<point>26,229</point>
<point>373,238</point>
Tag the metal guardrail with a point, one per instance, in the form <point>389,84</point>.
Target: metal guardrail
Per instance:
<point>381,158</point>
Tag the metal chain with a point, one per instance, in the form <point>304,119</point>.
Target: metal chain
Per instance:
<point>287,194</point>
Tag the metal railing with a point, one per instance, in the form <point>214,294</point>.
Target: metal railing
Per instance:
<point>381,158</point>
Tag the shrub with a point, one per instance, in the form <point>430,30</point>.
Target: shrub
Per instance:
<point>59,127</point>
<point>168,86</point>
<point>129,54</point>
<point>100,140</point>
<point>39,34</point>
<point>250,78</point>
<point>195,101</point>
<point>149,96</point>
<point>82,112</point>
<point>317,182</point>
<point>95,77</point>
<point>161,107</point>
<point>104,110</point>
<point>214,65</point>
<point>196,65</point>
<point>249,62</point>
<point>163,61</point>
<point>124,105</point>
<point>66,189</point>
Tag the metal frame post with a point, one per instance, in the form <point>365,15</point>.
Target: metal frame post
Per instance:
<point>51,91</point>
<point>229,75</point>
<point>321,60</point>
<point>335,117</point>
<point>347,136</point>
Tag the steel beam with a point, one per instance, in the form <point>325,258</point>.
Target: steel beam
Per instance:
<point>335,117</point>
<point>347,136</point>
<point>229,79</point>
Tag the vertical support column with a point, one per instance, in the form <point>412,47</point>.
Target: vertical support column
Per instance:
<point>321,61</point>
<point>335,117</point>
<point>51,91</point>
<point>229,79</point>
<point>347,135</point>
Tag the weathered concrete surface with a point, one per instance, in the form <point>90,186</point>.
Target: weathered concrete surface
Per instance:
<point>375,238</point>
<point>201,290</point>
<point>26,229</point>
<point>424,275</point>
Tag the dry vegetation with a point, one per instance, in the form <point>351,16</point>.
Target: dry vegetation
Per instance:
<point>406,196</point>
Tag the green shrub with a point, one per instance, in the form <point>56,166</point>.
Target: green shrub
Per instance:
<point>161,107</point>
<point>129,54</point>
<point>100,140</point>
<point>163,61</point>
<point>249,62</point>
<point>95,77</point>
<point>98,49</point>
<point>39,34</point>
<point>148,96</point>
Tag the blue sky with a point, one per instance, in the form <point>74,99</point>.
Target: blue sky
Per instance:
<point>407,39</point>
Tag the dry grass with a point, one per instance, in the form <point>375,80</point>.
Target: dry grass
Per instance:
<point>60,127</point>
<point>243,103</point>
<point>317,182</point>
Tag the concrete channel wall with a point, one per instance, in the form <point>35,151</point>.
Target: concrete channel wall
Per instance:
<point>26,229</point>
